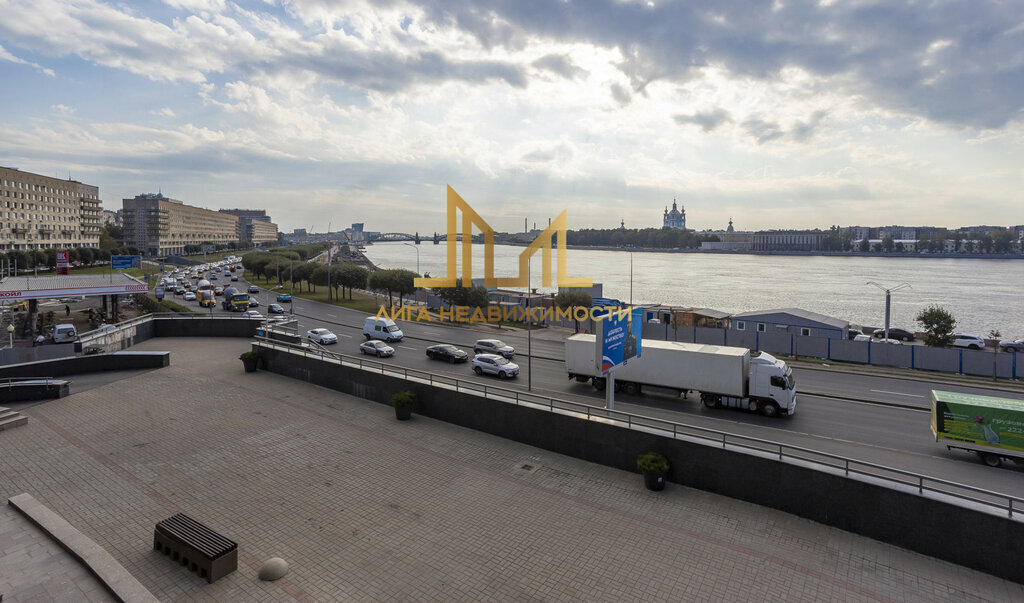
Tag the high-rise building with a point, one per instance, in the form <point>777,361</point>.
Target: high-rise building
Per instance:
<point>254,226</point>
<point>37,212</point>
<point>160,226</point>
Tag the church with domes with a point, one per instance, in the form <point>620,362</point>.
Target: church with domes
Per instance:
<point>675,219</point>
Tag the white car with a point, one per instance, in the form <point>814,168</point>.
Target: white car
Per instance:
<point>321,336</point>
<point>890,341</point>
<point>376,347</point>
<point>189,296</point>
<point>493,364</point>
<point>252,314</point>
<point>972,342</point>
<point>862,337</point>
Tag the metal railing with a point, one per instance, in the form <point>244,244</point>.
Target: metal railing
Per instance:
<point>90,336</point>
<point>10,382</point>
<point>891,477</point>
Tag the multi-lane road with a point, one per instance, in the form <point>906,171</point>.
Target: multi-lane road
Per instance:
<point>868,417</point>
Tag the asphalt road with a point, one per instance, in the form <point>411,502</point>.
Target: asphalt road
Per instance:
<point>872,418</point>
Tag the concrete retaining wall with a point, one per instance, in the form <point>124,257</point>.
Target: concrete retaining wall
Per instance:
<point>96,363</point>
<point>971,538</point>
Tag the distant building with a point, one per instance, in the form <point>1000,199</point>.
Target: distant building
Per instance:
<point>38,212</point>
<point>160,226</point>
<point>792,321</point>
<point>254,226</point>
<point>675,219</point>
<point>787,240</point>
<point>111,218</point>
<point>729,239</point>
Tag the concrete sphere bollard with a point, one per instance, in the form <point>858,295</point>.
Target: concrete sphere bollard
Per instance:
<point>273,568</point>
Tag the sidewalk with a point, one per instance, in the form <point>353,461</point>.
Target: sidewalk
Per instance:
<point>364,507</point>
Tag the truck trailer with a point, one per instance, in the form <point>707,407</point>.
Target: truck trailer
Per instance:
<point>724,376</point>
<point>992,428</point>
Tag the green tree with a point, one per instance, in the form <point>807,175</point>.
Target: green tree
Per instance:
<point>985,242</point>
<point>938,325</point>
<point>302,272</point>
<point>864,246</point>
<point>888,244</point>
<point>382,280</point>
<point>1002,241</point>
<point>569,299</point>
<point>353,277</point>
<point>319,277</point>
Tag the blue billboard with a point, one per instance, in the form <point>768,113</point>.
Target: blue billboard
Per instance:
<point>619,335</point>
<point>125,262</point>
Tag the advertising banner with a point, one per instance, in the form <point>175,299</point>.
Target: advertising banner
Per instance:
<point>124,262</point>
<point>984,420</point>
<point>619,334</point>
<point>63,262</point>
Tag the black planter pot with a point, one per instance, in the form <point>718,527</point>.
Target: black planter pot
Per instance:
<point>403,413</point>
<point>250,365</point>
<point>654,480</point>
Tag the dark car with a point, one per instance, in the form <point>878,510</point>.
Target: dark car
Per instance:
<point>253,302</point>
<point>447,352</point>
<point>275,309</point>
<point>898,334</point>
<point>852,334</point>
<point>1012,346</point>
<point>179,290</point>
<point>254,289</point>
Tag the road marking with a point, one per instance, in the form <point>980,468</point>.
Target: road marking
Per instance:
<point>344,335</point>
<point>332,315</point>
<point>882,391</point>
<point>405,347</point>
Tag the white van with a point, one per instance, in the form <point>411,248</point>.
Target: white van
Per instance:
<point>381,328</point>
<point>64,333</point>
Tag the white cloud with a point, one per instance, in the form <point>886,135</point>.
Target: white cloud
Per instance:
<point>7,56</point>
<point>792,106</point>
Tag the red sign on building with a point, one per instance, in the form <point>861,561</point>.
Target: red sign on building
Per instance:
<point>63,262</point>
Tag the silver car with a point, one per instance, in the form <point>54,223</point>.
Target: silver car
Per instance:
<point>493,364</point>
<point>377,348</point>
<point>494,346</point>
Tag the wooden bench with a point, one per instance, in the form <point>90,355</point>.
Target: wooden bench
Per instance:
<point>196,546</point>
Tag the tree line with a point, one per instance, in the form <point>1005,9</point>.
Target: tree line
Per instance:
<point>655,238</point>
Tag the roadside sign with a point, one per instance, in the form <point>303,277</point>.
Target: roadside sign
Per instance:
<point>618,336</point>
<point>159,293</point>
<point>125,262</point>
<point>63,262</point>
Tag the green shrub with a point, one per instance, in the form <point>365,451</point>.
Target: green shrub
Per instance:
<point>250,355</point>
<point>406,398</point>
<point>651,462</point>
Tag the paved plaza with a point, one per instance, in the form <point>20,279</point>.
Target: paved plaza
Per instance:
<point>366,508</point>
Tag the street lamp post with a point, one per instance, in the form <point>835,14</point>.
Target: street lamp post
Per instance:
<point>888,296</point>
<point>630,278</point>
<point>417,255</point>
<point>529,331</point>
<point>10,333</point>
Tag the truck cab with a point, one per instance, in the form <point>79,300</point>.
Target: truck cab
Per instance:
<point>771,378</point>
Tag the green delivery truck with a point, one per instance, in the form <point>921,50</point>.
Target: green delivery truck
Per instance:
<point>992,428</point>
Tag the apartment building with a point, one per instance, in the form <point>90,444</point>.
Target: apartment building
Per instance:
<point>160,226</point>
<point>254,226</point>
<point>38,212</point>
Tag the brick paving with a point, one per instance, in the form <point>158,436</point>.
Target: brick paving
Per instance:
<point>364,507</point>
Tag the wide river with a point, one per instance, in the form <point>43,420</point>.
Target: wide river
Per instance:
<point>982,294</point>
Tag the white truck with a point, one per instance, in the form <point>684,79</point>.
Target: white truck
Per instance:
<point>724,376</point>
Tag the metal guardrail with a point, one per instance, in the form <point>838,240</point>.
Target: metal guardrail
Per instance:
<point>884,475</point>
<point>10,382</point>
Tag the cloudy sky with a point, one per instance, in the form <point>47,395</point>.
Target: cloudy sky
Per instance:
<point>792,113</point>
